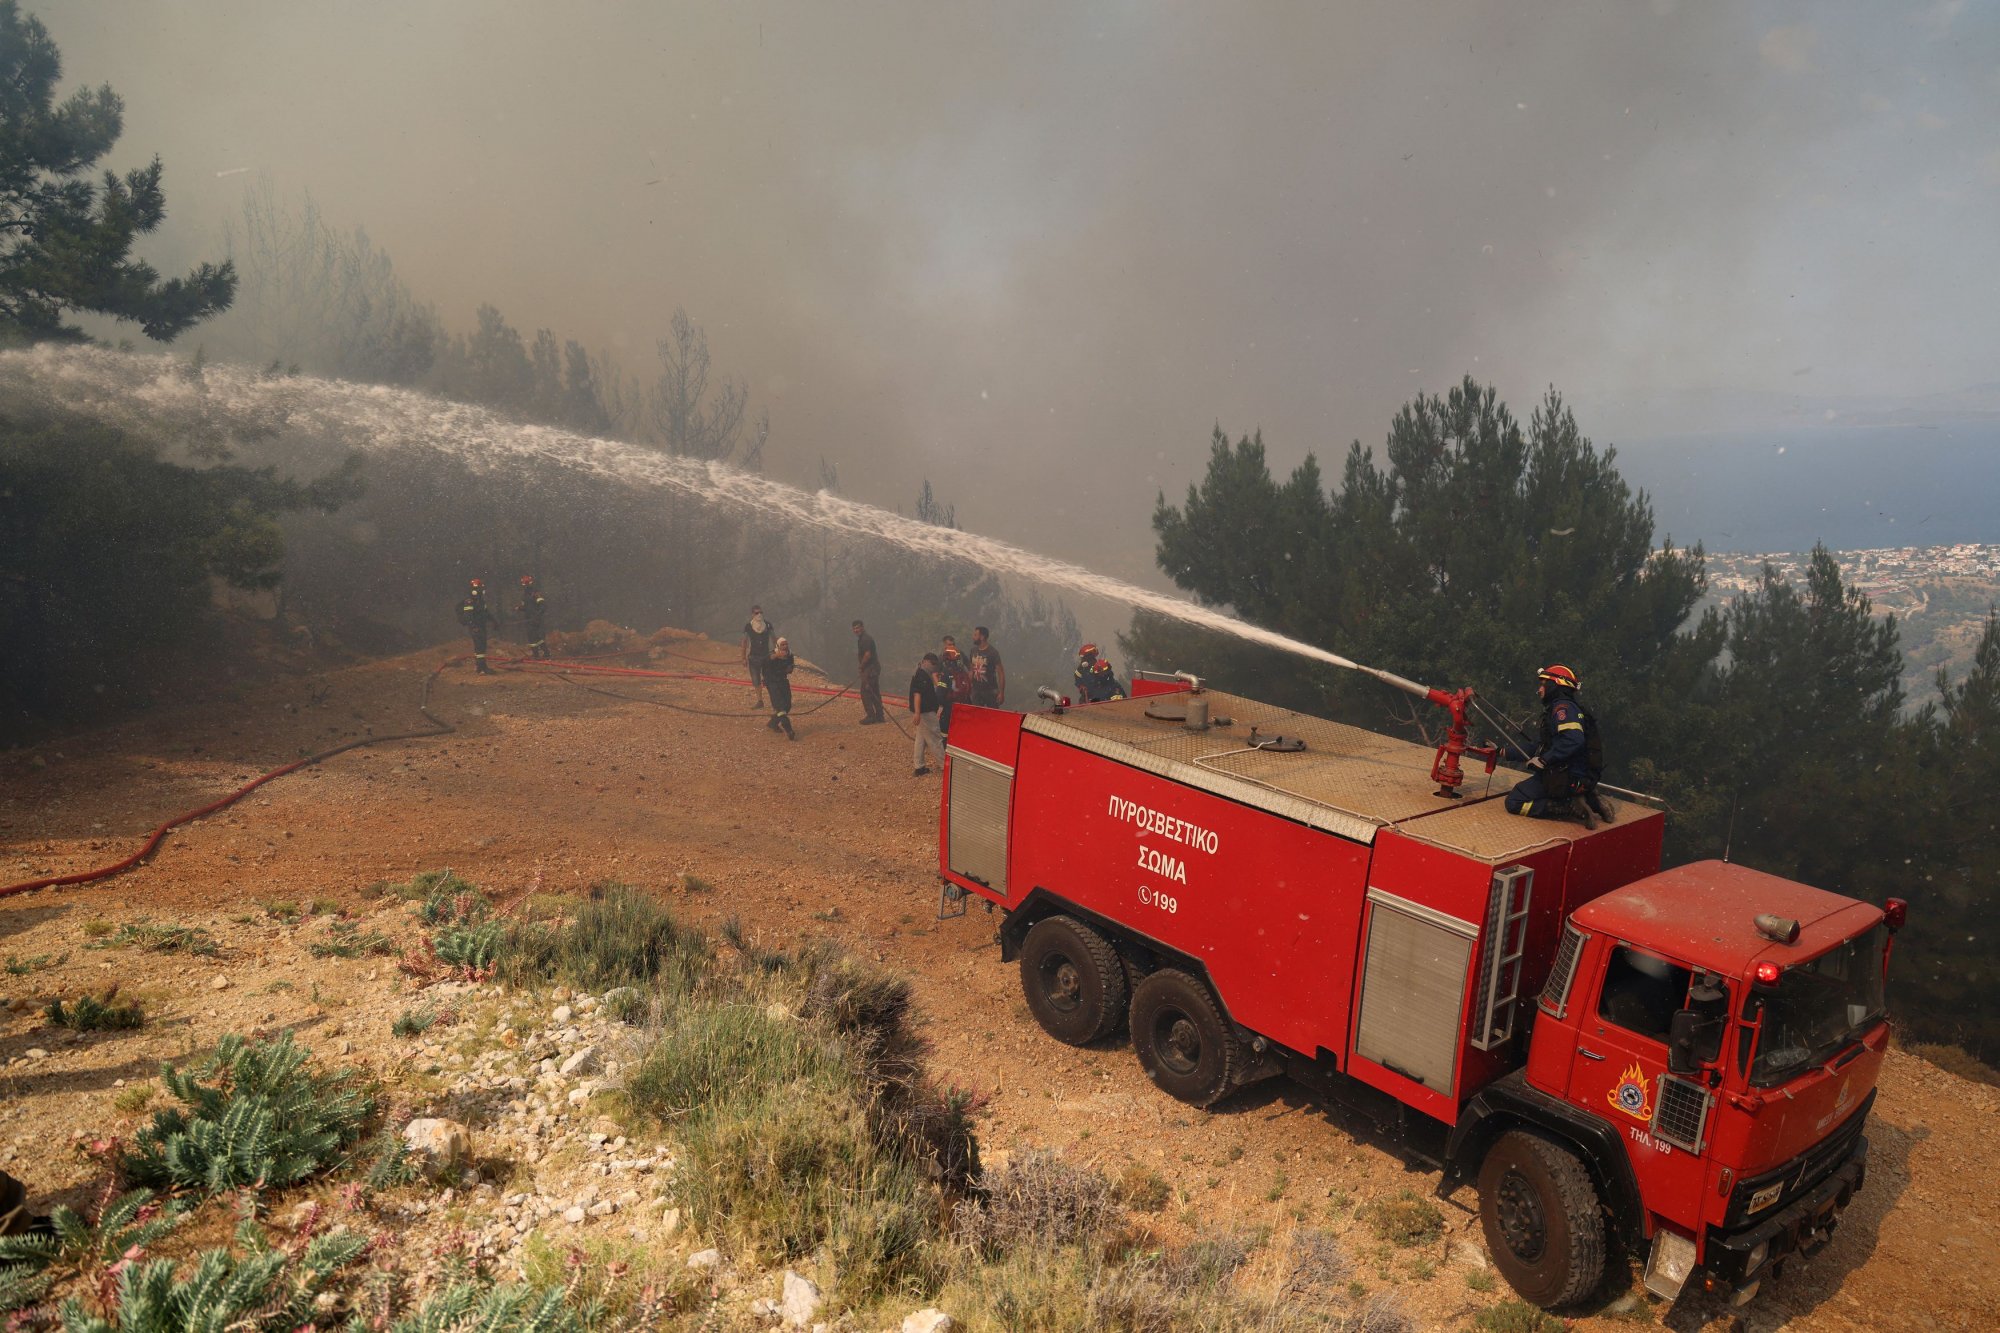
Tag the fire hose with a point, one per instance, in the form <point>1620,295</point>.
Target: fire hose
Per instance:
<point>439,727</point>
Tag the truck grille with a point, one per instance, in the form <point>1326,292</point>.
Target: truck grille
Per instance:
<point>1680,1112</point>
<point>1802,1172</point>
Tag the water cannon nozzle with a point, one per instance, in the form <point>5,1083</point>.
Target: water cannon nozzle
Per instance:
<point>1194,681</point>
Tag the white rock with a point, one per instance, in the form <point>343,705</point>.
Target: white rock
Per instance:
<point>37,1053</point>
<point>561,1014</point>
<point>441,1144</point>
<point>705,1259</point>
<point>802,1300</point>
<point>220,983</point>
<point>583,1062</point>
<point>929,1321</point>
<point>764,1308</point>
<point>670,1221</point>
<point>573,1214</point>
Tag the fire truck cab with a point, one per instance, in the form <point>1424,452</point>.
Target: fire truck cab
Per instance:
<point>1678,1062</point>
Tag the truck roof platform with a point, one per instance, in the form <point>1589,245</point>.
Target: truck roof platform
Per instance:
<point>1346,780</point>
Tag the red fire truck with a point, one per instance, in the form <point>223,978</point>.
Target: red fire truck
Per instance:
<point>1679,1063</point>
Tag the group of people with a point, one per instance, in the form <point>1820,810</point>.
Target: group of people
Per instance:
<point>479,620</point>
<point>944,679</point>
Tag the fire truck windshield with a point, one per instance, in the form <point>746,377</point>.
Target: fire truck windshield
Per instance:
<point>1815,1009</point>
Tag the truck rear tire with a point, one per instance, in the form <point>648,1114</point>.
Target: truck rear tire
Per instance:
<point>1073,979</point>
<point>1183,1039</point>
<point>1542,1219</point>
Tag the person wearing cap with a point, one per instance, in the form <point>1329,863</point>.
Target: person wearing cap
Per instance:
<point>478,620</point>
<point>1096,682</point>
<point>757,635</point>
<point>870,665</point>
<point>926,698</point>
<point>1565,767</point>
<point>532,610</point>
<point>778,682</point>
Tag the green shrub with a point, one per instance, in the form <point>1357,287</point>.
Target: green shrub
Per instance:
<point>1517,1317</point>
<point>264,1120</point>
<point>1406,1220</point>
<point>92,1013</point>
<point>617,936</point>
<point>324,907</point>
<point>345,939</point>
<point>263,1289</point>
<point>30,1264</point>
<point>22,967</point>
<point>476,1307</point>
<point>159,939</point>
<point>1143,1189</point>
<point>473,949</point>
<point>280,911</point>
<point>445,898</point>
<point>133,1099</point>
<point>392,1163</point>
<point>419,1019</point>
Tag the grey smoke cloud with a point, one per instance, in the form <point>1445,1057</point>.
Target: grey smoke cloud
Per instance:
<point>1035,251</point>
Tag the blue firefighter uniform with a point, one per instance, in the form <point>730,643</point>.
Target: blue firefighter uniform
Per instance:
<point>1564,770</point>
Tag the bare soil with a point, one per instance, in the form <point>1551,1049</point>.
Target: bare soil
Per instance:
<point>547,786</point>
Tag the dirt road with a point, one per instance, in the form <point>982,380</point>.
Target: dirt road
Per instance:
<point>546,786</point>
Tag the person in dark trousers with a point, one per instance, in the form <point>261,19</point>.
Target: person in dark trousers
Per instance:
<point>472,614</point>
<point>989,676</point>
<point>532,610</point>
<point>757,635</point>
<point>871,676</point>
<point>778,682</point>
<point>925,699</point>
<point>1096,682</point>
<point>1565,767</point>
<point>956,684</point>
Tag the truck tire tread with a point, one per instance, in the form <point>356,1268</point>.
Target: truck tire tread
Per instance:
<point>1102,989</point>
<point>1224,1057</point>
<point>1573,1264</point>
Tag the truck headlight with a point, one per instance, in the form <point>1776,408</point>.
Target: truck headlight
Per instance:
<point>1764,1198</point>
<point>1755,1259</point>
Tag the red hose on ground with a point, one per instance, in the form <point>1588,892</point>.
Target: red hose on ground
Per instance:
<point>440,727</point>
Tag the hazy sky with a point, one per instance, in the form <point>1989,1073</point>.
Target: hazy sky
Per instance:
<point>1035,251</point>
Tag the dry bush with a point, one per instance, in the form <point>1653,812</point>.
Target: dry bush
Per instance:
<point>1040,1199</point>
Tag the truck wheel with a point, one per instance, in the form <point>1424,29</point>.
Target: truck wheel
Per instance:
<point>1183,1040</point>
<point>1542,1219</point>
<point>1073,979</point>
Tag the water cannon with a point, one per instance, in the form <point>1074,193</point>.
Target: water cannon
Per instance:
<point>1055,701</point>
<point>1193,681</point>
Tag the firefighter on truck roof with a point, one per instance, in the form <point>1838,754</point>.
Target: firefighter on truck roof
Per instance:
<point>1569,760</point>
<point>1096,682</point>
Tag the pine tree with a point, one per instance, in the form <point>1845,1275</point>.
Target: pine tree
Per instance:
<point>66,243</point>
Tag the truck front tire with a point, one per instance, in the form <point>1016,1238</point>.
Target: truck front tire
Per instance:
<point>1183,1039</point>
<point>1542,1219</point>
<point>1073,979</point>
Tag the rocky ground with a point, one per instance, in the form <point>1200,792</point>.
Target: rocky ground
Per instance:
<point>546,788</point>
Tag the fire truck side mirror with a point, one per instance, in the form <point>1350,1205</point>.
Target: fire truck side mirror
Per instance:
<point>1694,1035</point>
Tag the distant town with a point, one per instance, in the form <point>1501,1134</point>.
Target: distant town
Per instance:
<point>1940,596</point>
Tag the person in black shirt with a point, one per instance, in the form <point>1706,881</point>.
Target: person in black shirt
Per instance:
<point>989,677</point>
<point>473,614</point>
<point>757,635</point>
<point>927,691</point>
<point>531,610</point>
<point>871,676</point>
<point>778,680</point>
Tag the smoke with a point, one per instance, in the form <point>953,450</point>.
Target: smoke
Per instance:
<point>1035,251</point>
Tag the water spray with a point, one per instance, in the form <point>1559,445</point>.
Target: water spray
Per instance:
<point>146,393</point>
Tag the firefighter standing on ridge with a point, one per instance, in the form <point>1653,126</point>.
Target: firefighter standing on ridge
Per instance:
<point>472,614</point>
<point>871,676</point>
<point>1095,681</point>
<point>778,682</point>
<point>531,610</point>
<point>1569,761</point>
<point>757,633</point>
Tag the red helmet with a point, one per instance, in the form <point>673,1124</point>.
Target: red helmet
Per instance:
<point>527,579</point>
<point>477,585</point>
<point>1101,664</point>
<point>1089,650</point>
<point>1557,674</point>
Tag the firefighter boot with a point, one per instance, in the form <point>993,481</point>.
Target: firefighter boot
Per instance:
<point>1579,811</point>
<point>485,670</point>
<point>1600,806</point>
<point>790,735</point>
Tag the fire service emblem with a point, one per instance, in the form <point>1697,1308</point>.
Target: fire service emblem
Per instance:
<point>1630,1095</point>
